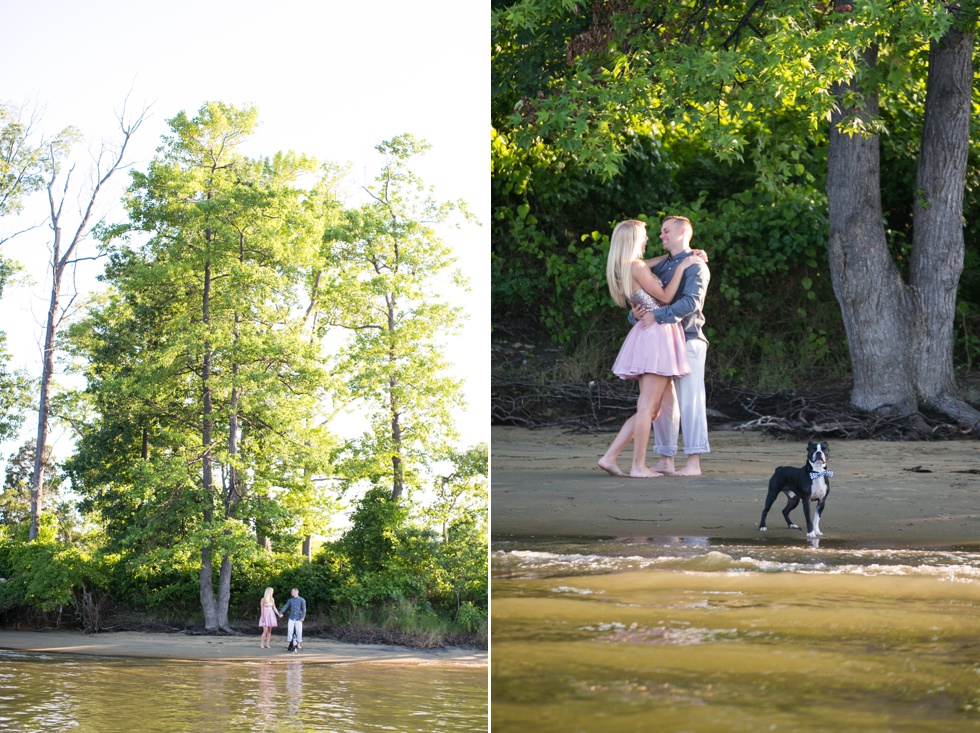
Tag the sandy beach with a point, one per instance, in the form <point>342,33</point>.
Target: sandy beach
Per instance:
<point>545,483</point>
<point>229,648</point>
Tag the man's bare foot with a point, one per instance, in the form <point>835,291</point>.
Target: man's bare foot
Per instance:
<point>686,471</point>
<point>691,468</point>
<point>645,473</point>
<point>664,465</point>
<point>611,468</point>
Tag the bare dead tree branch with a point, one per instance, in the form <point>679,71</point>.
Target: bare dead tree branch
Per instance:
<point>61,261</point>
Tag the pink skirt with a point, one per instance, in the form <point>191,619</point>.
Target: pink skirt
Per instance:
<point>268,617</point>
<point>657,349</point>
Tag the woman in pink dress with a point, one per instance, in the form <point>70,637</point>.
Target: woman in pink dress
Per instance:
<point>267,618</point>
<point>653,355</point>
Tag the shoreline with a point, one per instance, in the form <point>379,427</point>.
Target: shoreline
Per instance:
<point>195,648</point>
<point>910,494</point>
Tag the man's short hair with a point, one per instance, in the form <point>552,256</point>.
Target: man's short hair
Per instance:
<point>681,218</point>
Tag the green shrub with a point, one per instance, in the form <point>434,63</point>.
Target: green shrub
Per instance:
<point>469,619</point>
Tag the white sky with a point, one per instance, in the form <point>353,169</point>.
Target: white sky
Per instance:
<point>330,78</point>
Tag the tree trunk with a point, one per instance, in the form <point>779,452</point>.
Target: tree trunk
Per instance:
<point>224,593</point>
<point>233,488</point>
<point>47,362</point>
<point>901,335</point>
<point>937,251</point>
<point>868,285</point>
<point>232,495</point>
<point>397,464</point>
<point>208,602</point>
<point>44,402</point>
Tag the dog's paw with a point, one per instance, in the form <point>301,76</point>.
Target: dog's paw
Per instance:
<point>814,535</point>
<point>762,529</point>
<point>794,526</point>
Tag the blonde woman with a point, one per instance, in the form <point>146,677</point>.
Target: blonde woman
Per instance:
<point>267,618</point>
<point>652,354</point>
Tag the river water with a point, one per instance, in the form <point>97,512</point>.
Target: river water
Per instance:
<point>46,692</point>
<point>691,634</point>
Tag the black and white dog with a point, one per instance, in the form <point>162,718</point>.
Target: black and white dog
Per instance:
<point>807,484</point>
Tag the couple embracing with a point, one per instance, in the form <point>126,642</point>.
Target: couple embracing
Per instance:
<point>665,350</point>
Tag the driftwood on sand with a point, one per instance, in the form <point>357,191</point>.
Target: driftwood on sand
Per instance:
<point>604,405</point>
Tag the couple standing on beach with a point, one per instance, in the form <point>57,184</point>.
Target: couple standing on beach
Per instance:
<point>295,607</point>
<point>665,350</point>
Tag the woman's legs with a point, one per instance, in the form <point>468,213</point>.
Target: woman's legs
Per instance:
<point>608,461</point>
<point>647,408</point>
<point>652,389</point>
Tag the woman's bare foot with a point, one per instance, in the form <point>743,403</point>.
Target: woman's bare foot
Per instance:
<point>645,473</point>
<point>611,468</point>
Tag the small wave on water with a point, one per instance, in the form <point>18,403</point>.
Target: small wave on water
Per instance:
<point>730,635</point>
<point>553,558</point>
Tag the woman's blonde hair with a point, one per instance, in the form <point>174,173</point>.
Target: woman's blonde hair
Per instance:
<point>625,247</point>
<point>267,597</point>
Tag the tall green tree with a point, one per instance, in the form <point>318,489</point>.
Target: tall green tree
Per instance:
<point>757,81</point>
<point>203,371</point>
<point>386,263</point>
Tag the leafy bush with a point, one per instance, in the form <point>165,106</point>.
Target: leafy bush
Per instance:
<point>47,576</point>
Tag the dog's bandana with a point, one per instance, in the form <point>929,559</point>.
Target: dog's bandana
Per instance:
<point>818,474</point>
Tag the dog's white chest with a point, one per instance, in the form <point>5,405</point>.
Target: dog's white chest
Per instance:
<point>819,489</point>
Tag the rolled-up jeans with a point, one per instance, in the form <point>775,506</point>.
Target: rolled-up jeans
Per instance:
<point>297,626</point>
<point>685,409</point>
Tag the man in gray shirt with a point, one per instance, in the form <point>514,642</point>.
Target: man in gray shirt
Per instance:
<point>296,606</point>
<point>684,407</point>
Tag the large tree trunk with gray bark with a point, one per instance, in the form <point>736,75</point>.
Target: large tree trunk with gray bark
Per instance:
<point>937,252</point>
<point>900,333</point>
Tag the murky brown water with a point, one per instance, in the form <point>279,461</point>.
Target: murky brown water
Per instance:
<point>44,692</point>
<point>691,636</point>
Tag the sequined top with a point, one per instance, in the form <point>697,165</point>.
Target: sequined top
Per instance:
<point>642,298</point>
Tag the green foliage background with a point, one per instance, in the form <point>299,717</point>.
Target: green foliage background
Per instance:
<point>384,571</point>
<point>562,178</point>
